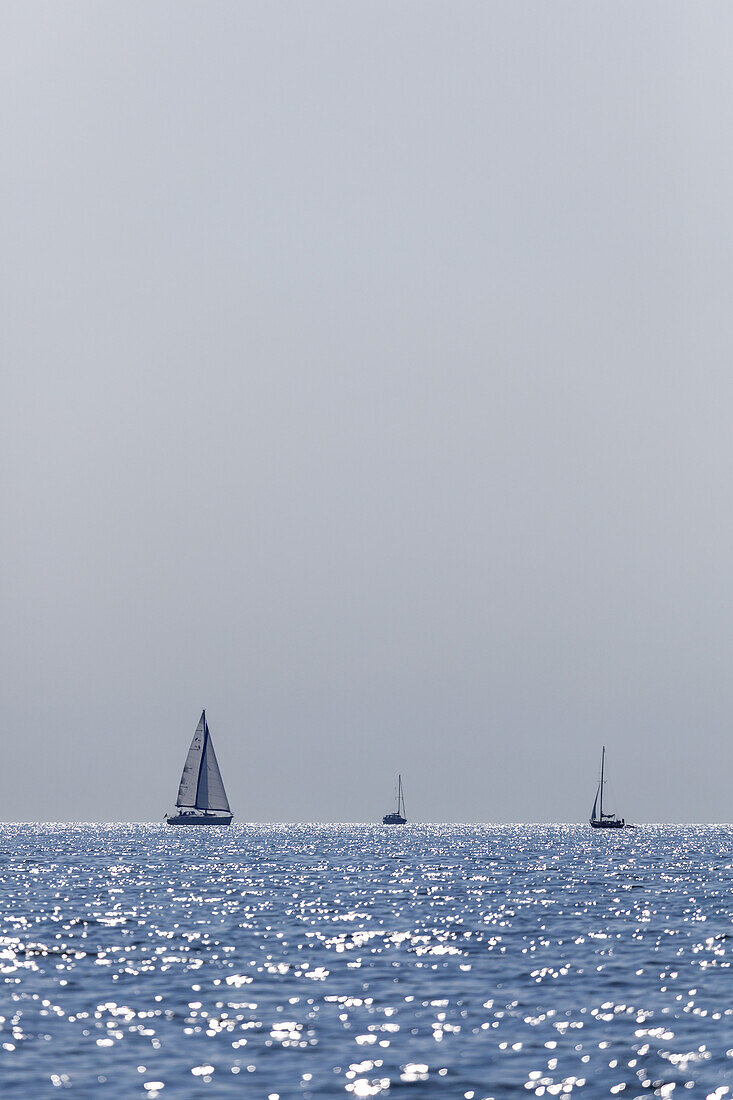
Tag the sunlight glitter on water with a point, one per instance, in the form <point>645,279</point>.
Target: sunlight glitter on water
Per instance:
<point>311,961</point>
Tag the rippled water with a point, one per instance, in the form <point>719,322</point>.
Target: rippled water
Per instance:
<point>318,961</point>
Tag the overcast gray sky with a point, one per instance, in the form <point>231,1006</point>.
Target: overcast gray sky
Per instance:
<point>367,379</point>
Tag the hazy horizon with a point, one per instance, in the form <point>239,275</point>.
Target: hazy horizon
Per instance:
<point>368,383</point>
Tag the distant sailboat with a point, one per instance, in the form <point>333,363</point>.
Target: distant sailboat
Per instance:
<point>202,799</point>
<point>598,818</point>
<point>397,817</point>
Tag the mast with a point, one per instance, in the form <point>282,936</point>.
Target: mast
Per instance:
<point>401,799</point>
<point>202,758</point>
<point>603,761</point>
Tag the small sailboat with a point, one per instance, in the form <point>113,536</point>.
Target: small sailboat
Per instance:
<point>599,818</point>
<point>398,816</point>
<point>202,799</point>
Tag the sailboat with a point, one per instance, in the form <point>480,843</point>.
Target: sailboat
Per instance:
<point>397,817</point>
<point>599,819</point>
<point>202,799</point>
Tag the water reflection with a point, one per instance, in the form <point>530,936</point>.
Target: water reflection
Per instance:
<point>312,961</point>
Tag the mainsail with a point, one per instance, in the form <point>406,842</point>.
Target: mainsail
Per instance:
<point>201,786</point>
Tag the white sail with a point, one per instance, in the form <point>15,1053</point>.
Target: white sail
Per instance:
<point>190,774</point>
<point>593,813</point>
<point>201,785</point>
<point>210,794</point>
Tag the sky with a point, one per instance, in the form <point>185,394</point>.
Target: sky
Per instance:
<point>367,380</point>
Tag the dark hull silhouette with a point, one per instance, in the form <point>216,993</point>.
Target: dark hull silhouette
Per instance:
<point>197,818</point>
<point>610,825</point>
<point>394,819</point>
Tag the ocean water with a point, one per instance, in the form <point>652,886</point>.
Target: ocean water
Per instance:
<point>350,961</point>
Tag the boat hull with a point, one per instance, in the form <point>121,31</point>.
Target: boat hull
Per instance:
<point>198,818</point>
<point>610,825</point>
<point>394,819</point>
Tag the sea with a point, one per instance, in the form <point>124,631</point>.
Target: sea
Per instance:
<point>310,961</point>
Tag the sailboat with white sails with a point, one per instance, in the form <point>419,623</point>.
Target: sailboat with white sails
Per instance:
<point>202,799</point>
<point>599,819</point>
